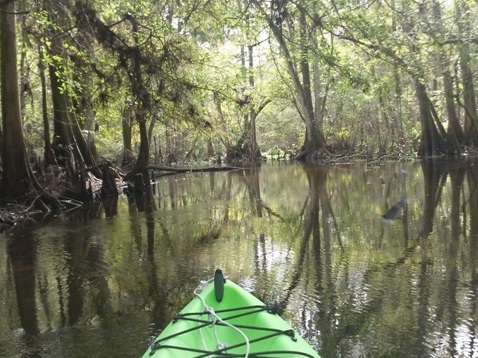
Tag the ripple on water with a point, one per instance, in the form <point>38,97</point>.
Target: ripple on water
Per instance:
<point>463,341</point>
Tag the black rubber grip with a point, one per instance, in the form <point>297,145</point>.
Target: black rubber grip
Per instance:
<point>219,285</point>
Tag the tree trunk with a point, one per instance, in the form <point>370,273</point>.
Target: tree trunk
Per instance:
<point>48,152</point>
<point>126,125</point>
<point>17,177</point>
<point>255,151</point>
<point>471,114</point>
<point>62,135</point>
<point>398,117</point>
<point>319,94</point>
<point>432,139</point>
<point>454,132</point>
<point>139,91</point>
<point>84,104</point>
<point>247,148</point>
<point>314,142</point>
<point>84,110</point>
<point>143,156</point>
<point>69,145</point>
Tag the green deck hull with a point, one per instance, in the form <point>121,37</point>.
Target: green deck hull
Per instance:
<point>202,342</point>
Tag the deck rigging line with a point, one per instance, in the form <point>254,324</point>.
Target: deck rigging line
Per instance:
<point>215,320</point>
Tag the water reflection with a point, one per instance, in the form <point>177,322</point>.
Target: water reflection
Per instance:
<point>104,281</point>
<point>22,252</point>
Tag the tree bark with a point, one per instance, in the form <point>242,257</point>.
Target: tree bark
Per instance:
<point>140,92</point>
<point>454,132</point>
<point>143,157</point>
<point>432,140</point>
<point>68,144</point>
<point>471,113</point>
<point>84,110</point>
<point>314,142</point>
<point>62,134</point>
<point>126,125</point>
<point>48,151</point>
<point>255,151</point>
<point>17,176</point>
<point>247,147</point>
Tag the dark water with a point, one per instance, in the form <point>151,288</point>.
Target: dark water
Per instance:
<point>367,260</point>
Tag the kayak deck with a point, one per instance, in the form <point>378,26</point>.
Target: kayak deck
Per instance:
<point>224,320</point>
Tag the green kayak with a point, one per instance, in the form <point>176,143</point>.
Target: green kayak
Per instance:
<point>224,320</point>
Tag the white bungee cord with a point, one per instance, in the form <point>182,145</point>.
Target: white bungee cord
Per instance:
<point>216,318</point>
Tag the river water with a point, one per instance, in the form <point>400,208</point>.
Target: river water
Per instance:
<point>367,260</point>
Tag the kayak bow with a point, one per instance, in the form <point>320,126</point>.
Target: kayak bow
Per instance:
<point>224,320</point>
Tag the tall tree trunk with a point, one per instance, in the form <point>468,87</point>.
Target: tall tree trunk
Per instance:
<point>314,142</point>
<point>68,144</point>
<point>85,105</point>
<point>255,151</point>
<point>471,114</point>
<point>247,148</point>
<point>434,139</point>
<point>24,67</point>
<point>143,156</point>
<point>62,135</point>
<point>85,111</point>
<point>433,142</point>
<point>126,125</point>
<point>139,91</point>
<point>17,177</point>
<point>319,94</point>
<point>454,132</point>
<point>398,116</point>
<point>48,151</point>
<point>320,90</point>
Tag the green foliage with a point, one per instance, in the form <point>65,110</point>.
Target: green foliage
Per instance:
<point>281,129</point>
<point>363,58</point>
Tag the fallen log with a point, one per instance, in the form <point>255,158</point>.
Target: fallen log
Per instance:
<point>191,169</point>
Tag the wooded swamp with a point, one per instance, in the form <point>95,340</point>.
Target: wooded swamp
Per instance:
<point>366,260</point>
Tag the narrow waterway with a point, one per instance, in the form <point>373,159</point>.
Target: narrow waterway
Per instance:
<point>366,260</point>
